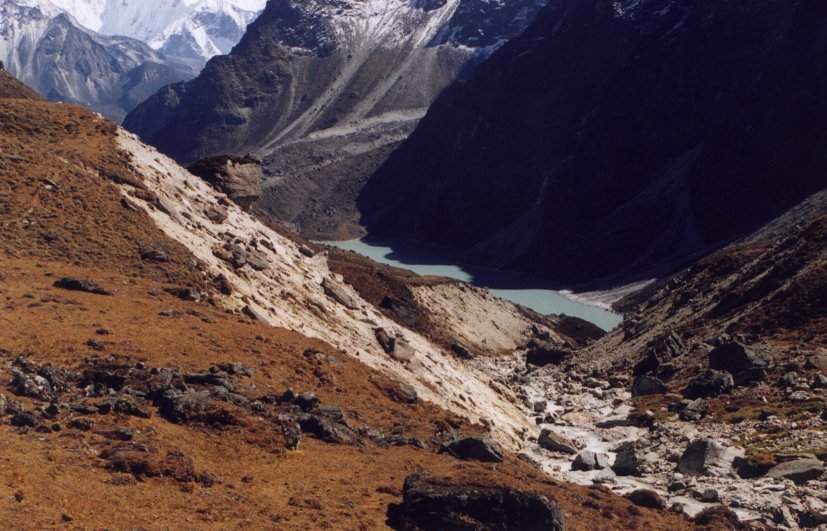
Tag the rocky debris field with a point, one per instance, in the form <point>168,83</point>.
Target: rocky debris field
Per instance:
<point>695,452</point>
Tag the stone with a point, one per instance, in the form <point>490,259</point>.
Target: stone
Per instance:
<point>710,496</point>
<point>735,358</point>
<point>4,405</point>
<point>588,460</point>
<point>186,293</point>
<point>477,448</point>
<point>709,383</point>
<point>706,457</point>
<point>648,385</point>
<point>539,406</point>
<point>556,443</point>
<point>153,253</point>
<point>216,215</point>
<point>385,341</point>
<point>306,401</point>
<point>648,364</point>
<point>604,476</point>
<point>253,314</point>
<point>85,285</point>
<point>694,410</point>
<point>646,498</point>
<point>628,463</point>
<point>336,291</point>
<point>307,251</point>
<point>461,351</point>
<point>402,393</point>
<point>819,382</point>
<point>799,471</point>
<point>433,505</point>
<point>238,177</point>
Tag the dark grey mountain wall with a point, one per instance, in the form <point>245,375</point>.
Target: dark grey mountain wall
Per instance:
<point>611,142</point>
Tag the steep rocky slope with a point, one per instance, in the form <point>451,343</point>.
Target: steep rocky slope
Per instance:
<point>63,61</point>
<point>617,139</point>
<point>322,91</point>
<point>143,379</point>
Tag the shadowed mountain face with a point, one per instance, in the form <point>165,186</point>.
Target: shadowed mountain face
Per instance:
<point>322,91</point>
<point>617,139</point>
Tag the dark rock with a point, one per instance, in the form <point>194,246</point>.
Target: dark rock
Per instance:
<point>706,457</point>
<point>646,498</point>
<point>755,374</point>
<point>238,177</point>
<point>291,430</point>
<point>649,364</point>
<point>709,383</point>
<point>81,424</point>
<point>587,460</point>
<point>307,251</point>
<point>556,443</point>
<point>819,381</point>
<point>799,471</point>
<point>462,352</point>
<point>153,253</point>
<point>224,286</point>
<point>541,354</point>
<point>193,406</point>
<point>736,357</point>
<point>789,379</point>
<point>477,448</point>
<point>306,401</point>
<point>187,293</point>
<point>75,284</point>
<point>627,463</point>
<point>648,385</point>
<point>25,419</point>
<point>387,342</point>
<point>328,431</point>
<point>128,407</point>
<point>694,411</point>
<point>428,505</point>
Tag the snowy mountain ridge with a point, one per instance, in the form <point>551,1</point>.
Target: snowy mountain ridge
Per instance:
<point>193,30</point>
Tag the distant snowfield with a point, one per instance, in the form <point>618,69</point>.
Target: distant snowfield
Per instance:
<point>201,28</point>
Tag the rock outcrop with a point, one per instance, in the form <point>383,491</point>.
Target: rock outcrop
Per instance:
<point>238,177</point>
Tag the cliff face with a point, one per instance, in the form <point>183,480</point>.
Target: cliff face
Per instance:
<point>617,140</point>
<point>322,91</point>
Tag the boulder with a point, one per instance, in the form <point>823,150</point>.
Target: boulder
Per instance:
<point>556,443</point>
<point>339,294</point>
<point>76,284</point>
<point>735,358</point>
<point>476,448</point>
<point>238,177</point>
<point>428,504</point>
<point>646,498</point>
<point>799,471</point>
<point>706,457</point>
<point>587,460</point>
<point>709,383</point>
<point>385,340</point>
<point>694,410</point>
<point>628,463</point>
<point>648,385</point>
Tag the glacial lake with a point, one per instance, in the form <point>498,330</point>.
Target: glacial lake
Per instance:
<point>514,287</point>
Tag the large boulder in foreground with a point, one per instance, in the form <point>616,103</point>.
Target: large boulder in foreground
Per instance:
<point>238,177</point>
<point>746,364</point>
<point>428,504</point>
<point>800,471</point>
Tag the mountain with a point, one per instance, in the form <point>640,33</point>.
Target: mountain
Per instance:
<point>148,372</point>
<point>323,90</point>
<point>63,61</point>
<point>188,30</point>
<point>617,140</point>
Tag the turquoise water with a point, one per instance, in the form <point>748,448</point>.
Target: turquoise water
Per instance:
<point>509,286</point>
